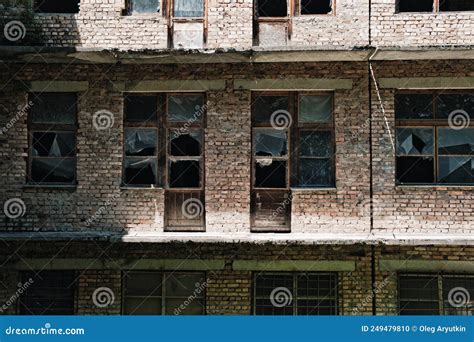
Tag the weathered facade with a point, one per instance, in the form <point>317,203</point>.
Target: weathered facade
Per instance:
<point>236,157</point>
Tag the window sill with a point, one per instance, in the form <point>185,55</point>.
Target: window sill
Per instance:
<point>51,186</point>
<point>143,15</point>
<point>435,187</point>
<point>330,189</point>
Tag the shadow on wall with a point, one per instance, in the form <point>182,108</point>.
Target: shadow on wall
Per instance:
<point>28,23</point>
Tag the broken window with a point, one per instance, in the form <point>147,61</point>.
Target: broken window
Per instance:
<point>430,148</point>
<point>415,6</point>
<point>56,6</point>
<point>49,293</point>
<point>456,5</point>
<point>189,8</point>
<point>308,119</point>
<point>308,294</point>
<point>52,131</point>
<point>143,6</point>
<point>272,8</point>
<point>315,6</point>
<point>163,293</point>
<point>430,294</point>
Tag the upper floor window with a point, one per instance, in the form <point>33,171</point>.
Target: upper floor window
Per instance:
<point>279,8</point>
<point>164,293</point>
<point>436,295</point>
<point>56,6</point>
<point>295,294</point>
<point>50,293</point>
<point>52,138</point>
<point>316,6</point>
<point>435,138</point>
<point>143,6</point>
<point>434,5</point>
<point>188,8</point>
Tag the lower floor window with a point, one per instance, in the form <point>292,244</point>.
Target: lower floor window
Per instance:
<point>48,293</point>
<point>295,294</point>
<point>164,293</point>
<point>436,295</point>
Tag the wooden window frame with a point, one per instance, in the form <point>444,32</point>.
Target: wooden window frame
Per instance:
<point>435,124</point>
<point>297,11</point>
<point>436,9</point>
<point>440,290</point>
<point>168,5</point>
<point>128,10</point>
<point>51,128</point>
<point>164,276</point>
<point>295,296</point>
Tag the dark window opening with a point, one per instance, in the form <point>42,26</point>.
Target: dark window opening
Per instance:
<point>184,174</point>
<point>140,171</point>
<point>415,5</point>
<point>140,108</point>
<point>316,6</point>
<point>456,5</point>
<point>270,174</point>
<point>48,293</point>
<point>272,8</point>
<point>303,294</point>
<point>164,293</point>
<point>185,144</point>
<point>57,6</point>
<point>144,6</point>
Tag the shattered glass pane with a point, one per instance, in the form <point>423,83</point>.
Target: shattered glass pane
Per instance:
<point>415,141</point>
<point>265,106</point>
<point>185,108</point>
<point>315,108</point>
<point>140,171</point>
<point>457,142</point>
<point>270,143</point>
<point>141,108</point>
<point>184,174</point>
<point>413,106</point>
<point>53,170</point>
<point>49,144</point>
<point>449,103</point>
<point>140,142</point>
<point>57,108</point>
<point>145,6</point>
<point>415,170</point>
<point>315,144</point>
<point>456,170</point>
<point>188,144</point>
<point>315,172</point>
<point>270,175</point>
<point>315,6</point>
<point>188,8</point>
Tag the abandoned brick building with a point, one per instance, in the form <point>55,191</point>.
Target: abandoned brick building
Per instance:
<point>253,157</point>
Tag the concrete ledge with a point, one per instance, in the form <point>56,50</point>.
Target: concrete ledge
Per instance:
<point>294,265</point>
<point>293,84</point>
<point>58,86</point>
<point>426,82</point>
<point>426,265</point>
<point>139,264</point>
<point>169,85</point>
